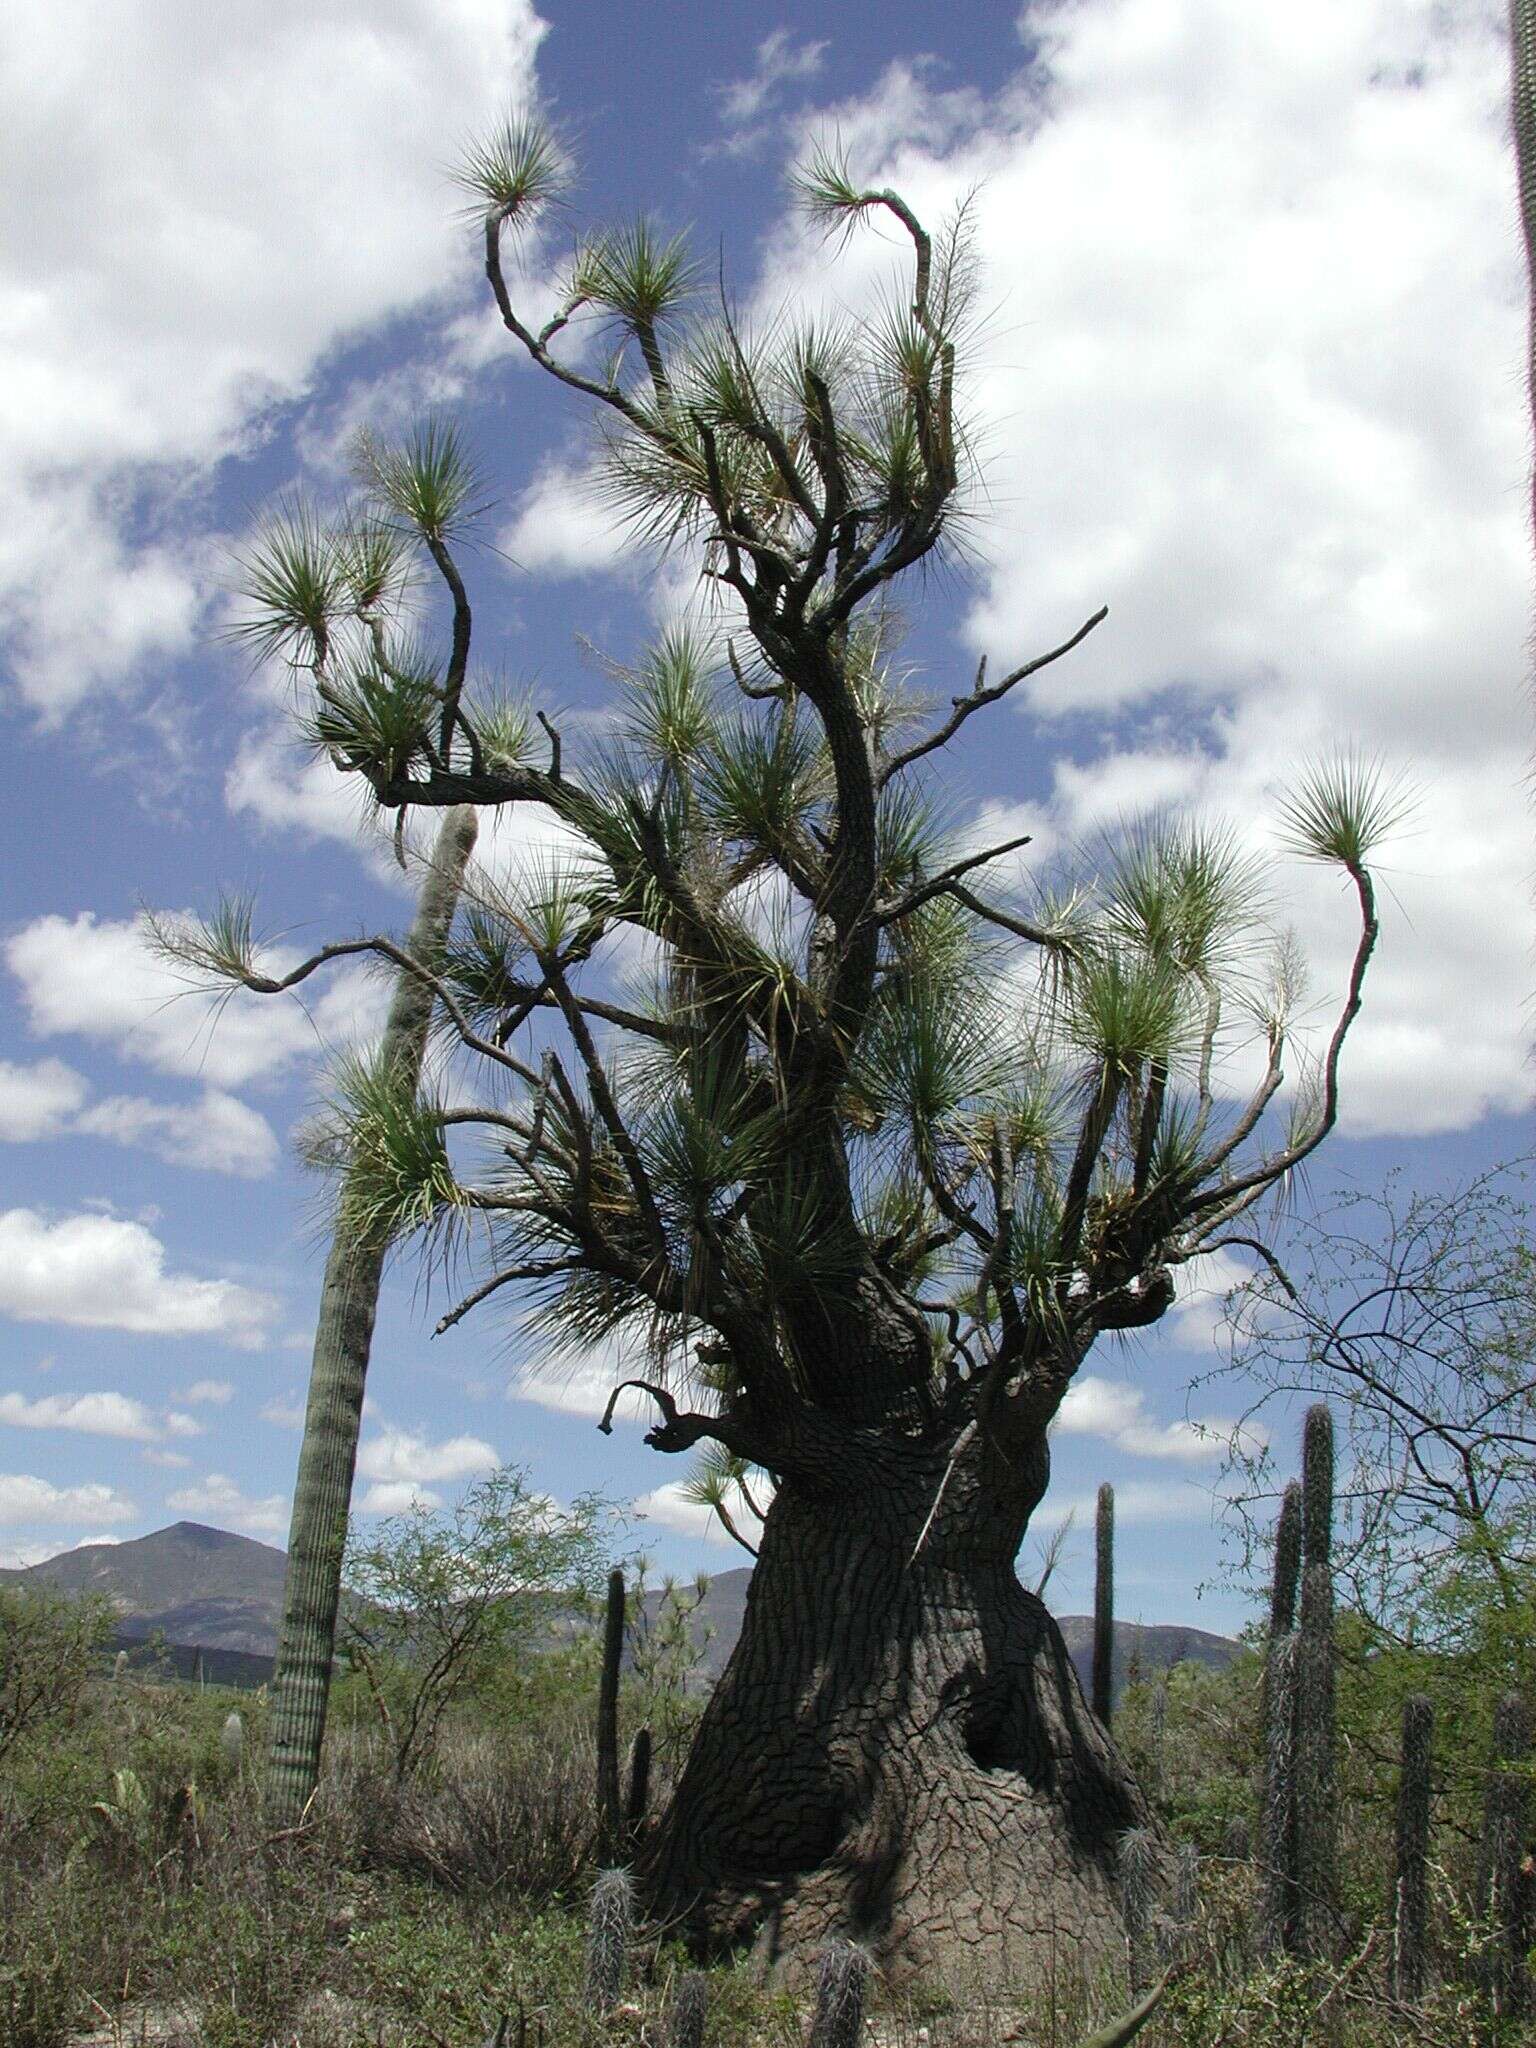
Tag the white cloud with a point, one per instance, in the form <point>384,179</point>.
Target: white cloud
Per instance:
<point>581,1384</point>
<point>666,1505</point>
<point>176,1461</point>
<point>101,1414</point>
<point>25,1499</point>
<point>397,1497</point>
<point>219,1496</point>
<point>37,1101</point>
<point>284,1414</point>
<point>99,979</point>
<point>106,1273</point>
<point>563,527</point>
<point>1118,1414</point>
<point>401,1456</point>
<point>1252,376</point>
<point>209,1393</point>
<point>220,1133</point>
<point>222,200</point>
<point>1138,1503</point>
<point>780,61</point>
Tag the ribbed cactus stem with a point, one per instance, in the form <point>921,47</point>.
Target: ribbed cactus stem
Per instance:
<point>1506,1890</point>
<point>1287,1579</point>
<point>690,2008</point>
<point>842,1970</point>
<point>1186,1886</point>
<point>609,1926</point>
<point>1316,1768</point>
<point>1104,1604</point>
<point>349,1299</point>
<point>1410,1886</point>
<point>1317,1485</point>
<point>1277,1807</point>
<point>232,1741</point>
<point>1137,1868</point>
<point>120,1664</point>
<point>639,1794</point>
<point>609,1818</point>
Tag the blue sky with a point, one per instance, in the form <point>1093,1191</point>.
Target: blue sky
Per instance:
<point>1252,376</point>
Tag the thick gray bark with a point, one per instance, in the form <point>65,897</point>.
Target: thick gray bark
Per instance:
<point>898,1752</point>
<point>349,1297</point>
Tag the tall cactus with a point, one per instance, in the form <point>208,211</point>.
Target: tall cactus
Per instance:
<point>1410,1877</point>
<point>1316,1735</point>
<point>349,1299</point>
<point>1286,1584</point>
<point>638,1797</point>
<point>1104,1604</point>
<point>1506,1891</point>
<point>1277,1910</point>
<point>609,1819</point>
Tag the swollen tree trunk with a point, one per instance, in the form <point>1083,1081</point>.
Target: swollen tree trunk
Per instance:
<point>349,1299</point>
<point>898,1752</point>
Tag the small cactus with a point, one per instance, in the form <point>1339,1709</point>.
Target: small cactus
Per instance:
<point>1410,1888</point>
<point>841,1972</point>
<point>120,1665</point>
<point>609,1926</point>
<point>232,1741</point>
<point>1237,1840</point>
<point>1104,1604</point>
<point>690,2005</point>
<point>1504,1883</point>
<point>1186,1887</point>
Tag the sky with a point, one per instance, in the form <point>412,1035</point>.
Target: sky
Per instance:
<point>1251,374</point>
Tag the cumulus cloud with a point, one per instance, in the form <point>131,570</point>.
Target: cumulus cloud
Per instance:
<point>402,1456</point>
<point>25,1499</point>
<point>220,1497</point>
<point>209,1393</point>
<point>220,1133</point>
<point>243,193</point>
<point>780,61</point>
<point>37,1101</point>
<point>100,979</point>
<point>101,1414</point>
<point>1118,1414</point>
<point>284,1414</point>
<point>666,1505</point>
<point>1252,377</point>
<point>1140,1503</point>
<point>397,1497</point>
<point>562,526</point>
<point>106,1273</point>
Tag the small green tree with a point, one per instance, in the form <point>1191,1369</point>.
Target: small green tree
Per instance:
<point>51,1643</point>
<point>438,1599</point>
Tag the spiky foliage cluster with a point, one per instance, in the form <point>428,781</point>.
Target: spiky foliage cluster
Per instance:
<point>610,1925</point>
<point>877,1145</point>
<point>842,1973</point>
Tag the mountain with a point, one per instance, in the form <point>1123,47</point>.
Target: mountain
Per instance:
<point>205,1588</point>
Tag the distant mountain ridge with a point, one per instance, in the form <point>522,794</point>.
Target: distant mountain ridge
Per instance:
<point>205,1588</point>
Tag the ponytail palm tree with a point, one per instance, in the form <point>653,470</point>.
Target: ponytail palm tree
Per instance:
<point>874,1156</point>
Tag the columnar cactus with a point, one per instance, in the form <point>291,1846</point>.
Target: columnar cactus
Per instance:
<point>1138,1873</point>
<point>690,2006</point>
<point>1287,1579</point>
<point>1316,1737</point>
<point>1410,1885</point>
<point>1104,1604</point>
<point>1277,1810</point>
<point>638,1798</point>
<point>120,1664</point>
<point>841,1972</point>
<point>609,1818</point>
<point>609,1925</point>
<point>1505,1886</point>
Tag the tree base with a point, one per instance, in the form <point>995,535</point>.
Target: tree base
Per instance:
<point>899,1753</point>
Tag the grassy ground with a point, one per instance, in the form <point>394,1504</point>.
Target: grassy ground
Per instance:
<point>139,1901</point>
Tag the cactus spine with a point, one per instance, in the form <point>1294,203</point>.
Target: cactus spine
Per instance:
<point>1316,1737</point>
<point>841,1972</point>
<point>609,1819</point>
<point>1505,1885</point>
<point>1410,1886</point>
<point>1137,1864</point>
<point>609,1926</point>
<point>349,1299</point>
<point>690,2006</point>
<point>1104,1604</point>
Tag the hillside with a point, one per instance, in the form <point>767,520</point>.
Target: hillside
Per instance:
<point>208,1589</point>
